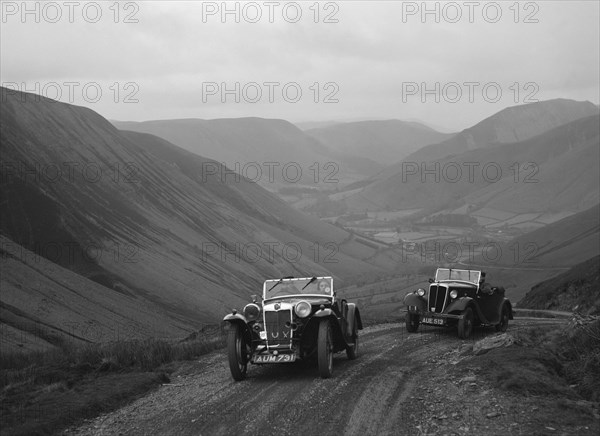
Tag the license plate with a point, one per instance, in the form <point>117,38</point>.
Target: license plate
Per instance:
<point>272,358</point>
<point>436,321</point>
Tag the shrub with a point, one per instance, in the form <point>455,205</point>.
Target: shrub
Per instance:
<point>579,347</point>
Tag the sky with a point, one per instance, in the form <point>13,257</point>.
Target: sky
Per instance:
<point>448,64</point>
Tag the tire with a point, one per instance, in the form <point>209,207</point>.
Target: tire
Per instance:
<point>325,349</point>
<point>465,325</point>
<point>237,352</point>
<point>412,322</point>
<point>352,350</point>
<point>503,324</point>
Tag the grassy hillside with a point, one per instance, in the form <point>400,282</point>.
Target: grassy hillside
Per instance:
<point>169,230</point>
<point>566,242</point>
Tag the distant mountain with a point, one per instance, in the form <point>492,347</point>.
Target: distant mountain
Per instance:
<point>577,289</point>
<point>156,226</point>
<point>277,147</point>
<point>438,127</point>
<point>315,124</point>
<point>570,145</point>
<point>513,124</point>
<point>385,141</point>
<point>557,171</point>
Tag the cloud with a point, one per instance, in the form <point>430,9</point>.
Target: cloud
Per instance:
<point>369,53</point>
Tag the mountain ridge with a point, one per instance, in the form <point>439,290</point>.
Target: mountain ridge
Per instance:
<point>387,141</point>
<point>241,143</point>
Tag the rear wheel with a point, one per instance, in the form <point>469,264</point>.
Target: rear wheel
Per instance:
<point>237,352</point>
<point>503,324</point>
<point>352,350</point>
<point>465,325</point>
<point>412,322</point>
<point>325,349</point>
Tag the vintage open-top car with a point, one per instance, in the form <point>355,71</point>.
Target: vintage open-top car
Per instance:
<point>298,318</point>
<point>458,298</point>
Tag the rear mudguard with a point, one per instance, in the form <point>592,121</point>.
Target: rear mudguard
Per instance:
<point>413,300</point>
<point>353,317</point>
<point>339,341</point>
<point>506,302</point>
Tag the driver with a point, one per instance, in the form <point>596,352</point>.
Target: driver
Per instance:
<point>485,286</point>
<point>289,289</point>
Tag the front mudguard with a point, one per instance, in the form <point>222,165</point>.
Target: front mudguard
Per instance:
<point>415,303</point>
<point>239,319</point>
<point>322,313</point>
<point>232,317</point>
<point>460,304</point>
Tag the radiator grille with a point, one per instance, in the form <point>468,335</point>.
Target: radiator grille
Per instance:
<point>275,326</point>
<point>437,298</point>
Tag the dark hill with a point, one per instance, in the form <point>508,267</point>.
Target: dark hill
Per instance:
<point>577,289</point>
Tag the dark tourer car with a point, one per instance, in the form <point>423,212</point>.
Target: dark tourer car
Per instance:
<point>298,318</point>
<point>458,298</point>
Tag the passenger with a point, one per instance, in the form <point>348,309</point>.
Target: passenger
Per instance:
<point>324,287</point>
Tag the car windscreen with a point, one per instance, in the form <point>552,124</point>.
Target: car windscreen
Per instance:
<point>457,274</point>
<point>294,287</point>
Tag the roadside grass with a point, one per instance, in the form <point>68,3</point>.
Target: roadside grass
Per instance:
<point>556,371</point>
<point>44,392</point>
<point>579,350</point>
<point>548,361</point>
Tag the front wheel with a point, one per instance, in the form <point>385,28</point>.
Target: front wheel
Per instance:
<point>325,349</point>
<point>237,352</point>
<point>503,324</point>
<point>412,322</point>
<point>465,325</point>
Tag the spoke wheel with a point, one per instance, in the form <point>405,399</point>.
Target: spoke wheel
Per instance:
<point>352,350</point>
<point>325,349</point>
<point>237,352</point>
<point>465,325</point>
<point>412,322</point>
<point>503,324</point>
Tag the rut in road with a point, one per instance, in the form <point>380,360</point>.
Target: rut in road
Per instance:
<point>365,396</point>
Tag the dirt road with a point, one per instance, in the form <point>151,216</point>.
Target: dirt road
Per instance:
<point>400,384</point>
